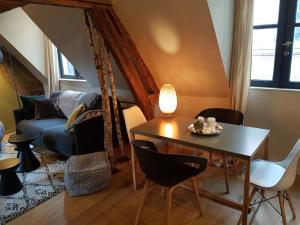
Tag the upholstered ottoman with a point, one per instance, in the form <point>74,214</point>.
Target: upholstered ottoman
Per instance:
<point>86,174</point>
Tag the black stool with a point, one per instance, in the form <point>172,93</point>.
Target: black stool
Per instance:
<point>9,182</point>
<point>28,160</point>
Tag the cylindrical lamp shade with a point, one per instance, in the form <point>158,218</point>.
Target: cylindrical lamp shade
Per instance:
<point>167,100</point>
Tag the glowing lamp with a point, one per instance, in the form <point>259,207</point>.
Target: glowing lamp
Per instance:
<point>167,100</point>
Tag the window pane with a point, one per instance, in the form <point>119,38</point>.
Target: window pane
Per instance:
<point>295,67</point>
<point>266,12</point>
<point>68,68</point>
<point>298,12</point>
<point>263,54</point>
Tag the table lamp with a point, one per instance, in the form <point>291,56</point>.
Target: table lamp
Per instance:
<point>167,100</point>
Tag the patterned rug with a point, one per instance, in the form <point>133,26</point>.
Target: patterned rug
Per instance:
<point>38,186</point>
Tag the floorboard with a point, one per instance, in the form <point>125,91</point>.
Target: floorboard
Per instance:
<point>118,205</point>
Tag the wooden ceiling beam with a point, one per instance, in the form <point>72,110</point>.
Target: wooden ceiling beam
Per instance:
<point>133,68</point>
<point>6,5</point>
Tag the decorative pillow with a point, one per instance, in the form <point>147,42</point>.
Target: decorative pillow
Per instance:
<point>95,103</point>
<point>28,106</point>
<point>75,114</point>
<point>85,116</point>
<point>47,108</point>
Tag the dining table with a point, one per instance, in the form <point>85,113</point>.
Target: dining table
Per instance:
<point>242,142</point>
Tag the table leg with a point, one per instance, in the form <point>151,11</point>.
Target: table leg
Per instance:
<point>266,148</point>
<point>246,193</point>
<point>133,163</point>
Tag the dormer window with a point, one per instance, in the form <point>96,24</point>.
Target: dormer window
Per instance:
<point>67,70</point>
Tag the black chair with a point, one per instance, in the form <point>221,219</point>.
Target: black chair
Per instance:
<point>166,170</point>
<point>225,116</point>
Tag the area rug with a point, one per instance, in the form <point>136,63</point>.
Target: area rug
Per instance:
<point>38,186</point>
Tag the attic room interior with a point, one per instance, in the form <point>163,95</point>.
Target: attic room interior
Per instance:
<point>149,112</point>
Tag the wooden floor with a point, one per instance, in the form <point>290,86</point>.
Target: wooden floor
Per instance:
<point>118,205</point>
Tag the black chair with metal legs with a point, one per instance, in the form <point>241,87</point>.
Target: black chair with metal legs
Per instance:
<point>166,170</point>
<point>225,116</point>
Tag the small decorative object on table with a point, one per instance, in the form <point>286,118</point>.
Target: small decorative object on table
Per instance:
<point>86,174</point>
<point>1,134</point>
<point>205,128</point>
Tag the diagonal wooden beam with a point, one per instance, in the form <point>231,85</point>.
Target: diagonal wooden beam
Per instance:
<point>83,4</point>
<point>144,73</point>
<point>128,59</point>
<point>8,5</point>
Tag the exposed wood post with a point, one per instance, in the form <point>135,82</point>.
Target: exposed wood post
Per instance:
<point>115,103</point>
<point>95,43</point>
<point>127,58</point>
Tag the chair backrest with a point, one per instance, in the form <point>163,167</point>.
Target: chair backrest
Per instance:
<point>290,164</point>
<point>133,117</point>
<point>150,160</point>
<point>224,115</point>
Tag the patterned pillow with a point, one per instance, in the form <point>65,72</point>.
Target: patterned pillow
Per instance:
<point>85,116</point>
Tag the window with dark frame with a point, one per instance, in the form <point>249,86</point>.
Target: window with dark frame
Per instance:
<point>276,44</point>
<point>67,70</point>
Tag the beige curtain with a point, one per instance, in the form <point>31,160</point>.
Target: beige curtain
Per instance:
<point>240,75</point>
<point>52,67</point>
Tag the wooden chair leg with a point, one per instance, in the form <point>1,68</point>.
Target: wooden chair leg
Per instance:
<point>169,204</point>
<point>142,203</point>
<point>253,192</point>
<point>196,191</point>
<point>291,204</point>
<point>281,203</point>
<point>225,165</point>
<point>133,167</point>
<point>162,192</point>
<point>210,157</point>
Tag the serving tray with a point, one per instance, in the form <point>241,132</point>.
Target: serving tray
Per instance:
<point>219,130</point>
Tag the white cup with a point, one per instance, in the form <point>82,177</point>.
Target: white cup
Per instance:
<point>211,122</point>
<point>206,130</point>
<point>200,118</point>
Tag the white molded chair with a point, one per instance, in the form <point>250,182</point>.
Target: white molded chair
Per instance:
<point>133,117</point>
<point>276,176</point>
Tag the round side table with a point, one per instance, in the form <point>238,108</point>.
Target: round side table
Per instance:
<point>9,183</point>
<point>28,160</point>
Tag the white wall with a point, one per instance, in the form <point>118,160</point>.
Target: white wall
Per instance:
<point>277,110</point>
<point>222,14</point>
<point>84,86</point>
<point>66,28</point>
<point>24,40</point>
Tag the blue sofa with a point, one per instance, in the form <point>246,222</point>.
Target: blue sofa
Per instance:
<point>87,137</point>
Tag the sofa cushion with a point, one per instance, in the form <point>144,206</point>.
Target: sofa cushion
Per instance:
<point>67,101</point>
<point>75,114</point>
<point>38,126</point>
<point>47,108</point>
<point>92,101</point>
<point>28,106</point>
<point>58,140</point>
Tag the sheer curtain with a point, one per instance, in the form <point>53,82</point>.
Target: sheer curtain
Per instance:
<point>240,75</point>
<point>52,67</point>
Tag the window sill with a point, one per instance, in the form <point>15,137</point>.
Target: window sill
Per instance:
<point>73,80</point>
<point>275,89</point>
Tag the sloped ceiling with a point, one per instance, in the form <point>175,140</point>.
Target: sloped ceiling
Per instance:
<point>178,43</point>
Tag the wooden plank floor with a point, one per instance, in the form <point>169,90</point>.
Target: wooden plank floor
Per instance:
<point>118,205</point>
